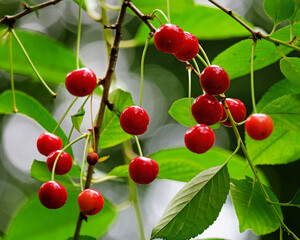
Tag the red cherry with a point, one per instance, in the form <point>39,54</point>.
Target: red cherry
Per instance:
<point>64,162</point>
<point>53,195</point>
<point>259,126</point>
<point>48,142</point>
<point>206,109</point>
<point>199,138</point>
<point>81,82</point>
<point>189,49</point>
<point>214,80</point>
<point>237,110</point>
<point>92,158</point>
<point>168,38</point>
<point>134,120</point>
<point>143,170</point>
<point>90,202</point>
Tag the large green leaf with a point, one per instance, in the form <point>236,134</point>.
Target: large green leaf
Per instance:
<point>52,59</point>
<point>236,59</point>
<point>290,67</point>
<point>296,15</point>
<point>111,131</point>
<point>281,146</point>
<point>251,207</point>
<point>195,207</point>
<point>279,10</point>
<point>35,222</point>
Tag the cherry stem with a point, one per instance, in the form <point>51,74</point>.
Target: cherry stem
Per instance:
<point>252,76</point>
<point>162,13</point>
<point>78,34</point>
<point>142,67</point>
<point>204,54</point>
<point>83,160</point>
<point>273,29</point>
<point>32,65</point>
<point>104,178</point>
<point>202,60</point>
<point>138,145</point>
<point>68,145</point>
<point>190,94</point>
<point>168,11</point>
<point>280,233</point>
<point>284,204</point>
<point>4,32</point>
<point>14,107</point>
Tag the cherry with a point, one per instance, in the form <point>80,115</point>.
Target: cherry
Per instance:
<point>214,80</point>
<point>189,48</point>
<point>168,38</point>
<point>90,202</point>
<point>199,138</point>
<point>134,120</point>
<point>81,82</point>
<point>92,158</point>
<point>53,195</point>
<point>64,162</point>
<point>237,110</point>
<point>143,170</point>
<point>48,142</point>
<point>259,126</point>
<point>206,109</point>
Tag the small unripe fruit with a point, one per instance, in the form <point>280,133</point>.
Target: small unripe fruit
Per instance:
<point>237,110</point>
<point>90,202</point>
<point>64,162</point>
<point>92,158</point>
<point>48,142</point>
<point>53,195</point>
<point>259,126</point>
<point>189,49</point>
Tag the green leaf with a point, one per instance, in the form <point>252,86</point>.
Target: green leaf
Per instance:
<point>77,118</point>
<point>296,15</point>
<point>90,6</point>
<point>111,131</point>
<point>31,108</point>
<point>290,67</point>
<point>296,199</point>
<point>34,222</point>
<point>282,146</point>
<point>279,10</point>
<point>56,62</point>
<point>195,207</point>
<point>252,209</point>
<point>40,172</point>
<point>265,54</point>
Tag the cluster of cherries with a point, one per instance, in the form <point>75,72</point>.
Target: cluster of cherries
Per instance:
<point>53,195</point>
<point>206,109</point>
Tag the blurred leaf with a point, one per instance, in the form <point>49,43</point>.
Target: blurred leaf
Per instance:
<point>251,207</point>
<point>51,58</point>
<point>35,222</point>
<point>40,172</point>
<point>296,15</point>
<point>31,108</point>
<point>180,164</point>
<point>282,146</point>
<point>279,10</point>
<point>111,131</point>
<point>77,118</point>
<point>195,207</point>
<point>296,199</point>
<point>290,67</point>
<point>90,6</point>
<point>265,53</point>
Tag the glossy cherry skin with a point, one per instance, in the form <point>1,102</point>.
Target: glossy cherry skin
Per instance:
<point>259,126</point>
<point>92,158</point>
<point>237,110</point>
<point>214,80</point>
<point>199,138</point>
<point>143,170</point>
<point>53,195</point>
<point>134,120</point>
<point>64,162</point>
<point>189,49</point>
<point>48,142</point>
<point>169,38</point>
<point>81,82</point>
<point>90,202</point>
<point>206,109</point>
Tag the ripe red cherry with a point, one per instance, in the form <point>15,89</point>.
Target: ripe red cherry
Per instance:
<point>206,109</point>
<point>259,126</point>
<point>189,49</point>
<point>237,110</point>
<point>53,195</point>
<point>143,170</point>
<point>92,158</point>
<point>199,138</point>
<point>64,162</point>
<point>48,142</point>
<point>134,120</point>
<point>81,82</point>
<point>90,202</point>
<point>168,38</point>
<point>214,80</point>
